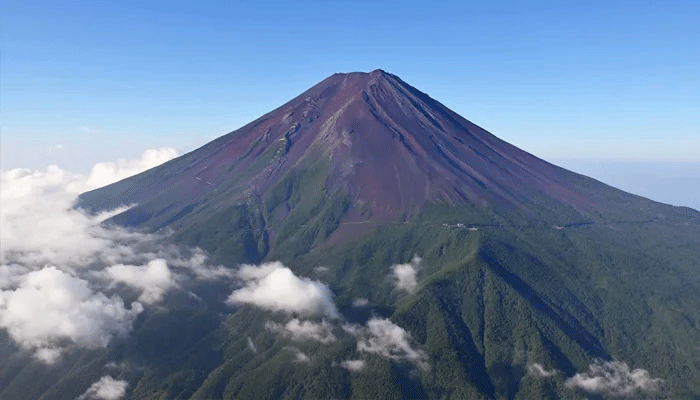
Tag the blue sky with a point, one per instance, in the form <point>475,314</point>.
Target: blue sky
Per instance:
<point>595,80</point>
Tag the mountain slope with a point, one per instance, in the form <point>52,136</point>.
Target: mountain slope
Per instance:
<point>524,264</point>
<point>387,146</point>
<point>365,149</point>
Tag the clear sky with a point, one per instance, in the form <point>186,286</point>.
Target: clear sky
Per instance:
<point>87,81</point>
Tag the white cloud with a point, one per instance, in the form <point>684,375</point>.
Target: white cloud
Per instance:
<point>304,330</point>
<point>406,275</point>
<point>48,355</point>
<point>105,173</point>
<point>538,371</point>
<point>383,337</point>
<point>353,365</point>
<point>273,286</point>
<point>198,265</point>
<point>107,388</point>
<point>299,356</point>
<point>614,379</point>
<point>251,345</point>
<point>360,302</point>
<point>54,259</point>
<point>51,306</point>
<point>154,279</point>
<point>11,275</point>
<point>87,129</point>
<point>248,272</point>
<point>39,224</point>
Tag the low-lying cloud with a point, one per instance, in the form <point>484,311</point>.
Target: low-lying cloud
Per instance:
<point>51,306</point>
<point>274,287</point>
<point>613,379</point>
<point>59,265</point>
<point>153,279</point>
<point>406,275</point>
<point>360,302</point>
<point>39,224</point>
<point>251,345</point>
<point>353,365</point>
<point>538,371</point>
<point>107,388</point>
<point>299,356</point>
<point>386,339</point>
<point>108,172</point>
<point>304,330</point>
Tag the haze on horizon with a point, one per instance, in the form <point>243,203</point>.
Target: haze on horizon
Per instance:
<point>610,91</point>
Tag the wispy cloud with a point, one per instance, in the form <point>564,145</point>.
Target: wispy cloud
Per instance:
<point>386,339</point>
<point>299,356</point>
<point>360,302</point>
<point>304,330</point>
<point>321,270</point>
<point>538,371</point>
<point>613,379</point>
<point>88,129</point>
<point>251,345</point>
<point>107,388</point>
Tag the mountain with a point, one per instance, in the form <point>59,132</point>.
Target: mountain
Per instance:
<point>530,278</point>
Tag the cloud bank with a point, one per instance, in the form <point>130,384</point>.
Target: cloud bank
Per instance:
<point>51,306</point>
<point>613,379</point>
<point>274,287</point>
<point>406,275</point>
<point>59,265</point>
<point>104,173</point>
<point>39,224</point>
<point>107,388</point>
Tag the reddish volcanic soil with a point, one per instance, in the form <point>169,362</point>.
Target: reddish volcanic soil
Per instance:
<point>394,148</point>
<point>390,146</point>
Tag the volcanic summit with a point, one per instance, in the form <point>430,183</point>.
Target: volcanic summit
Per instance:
<point>386,146</point>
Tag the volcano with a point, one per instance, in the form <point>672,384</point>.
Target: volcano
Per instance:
<point>496,274</point>
<point>385,146</point>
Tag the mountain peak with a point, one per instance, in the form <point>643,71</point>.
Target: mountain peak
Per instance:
<point>355,81</point>
<point>384,146</point>
<point>373,74</point>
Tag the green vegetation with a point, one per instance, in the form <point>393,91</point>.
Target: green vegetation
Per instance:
<point>497,292</point>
